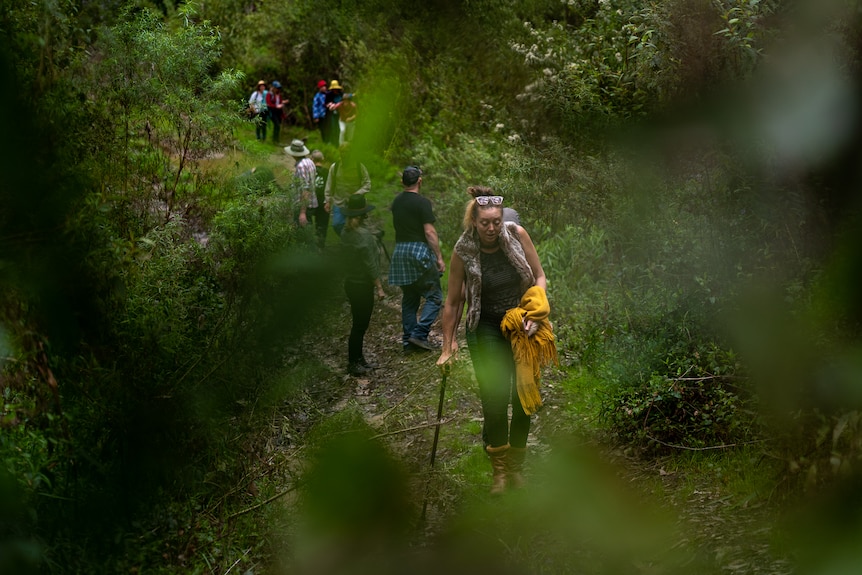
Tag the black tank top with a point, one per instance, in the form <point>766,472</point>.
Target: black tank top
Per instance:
<point>501,287</point>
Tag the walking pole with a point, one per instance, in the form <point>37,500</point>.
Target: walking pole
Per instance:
<point>439,416</point>
<point>383,247</point>
<point>445,369</point>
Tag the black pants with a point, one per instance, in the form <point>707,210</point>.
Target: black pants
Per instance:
<point>494,365</point>
<point>360,294</point>
<point>323,127</point>
<point>275,115</point>
<point>321,223</point>
<point>333,130</point>
<point>260,121</point>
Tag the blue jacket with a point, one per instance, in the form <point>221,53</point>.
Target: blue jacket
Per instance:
<point>318,106</point>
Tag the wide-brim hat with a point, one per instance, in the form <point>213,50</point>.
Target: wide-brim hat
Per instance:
<point>334,85</point>
<point>297,148</point>
<point>261,82</point>
<point>276,84</point>
<point>356,206</point>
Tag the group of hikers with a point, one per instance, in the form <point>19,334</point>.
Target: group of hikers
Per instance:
<point>494,272</point>
<point>332,111</point>
<point>320,192</point>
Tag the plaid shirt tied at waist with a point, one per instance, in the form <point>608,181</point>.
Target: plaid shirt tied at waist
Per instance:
<point>410,262</point>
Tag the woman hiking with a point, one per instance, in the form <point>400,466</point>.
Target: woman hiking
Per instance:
<point>362,279</point>
<point>496,270</point>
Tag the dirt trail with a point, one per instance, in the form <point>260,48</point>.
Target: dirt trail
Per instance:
<point>399,400</point>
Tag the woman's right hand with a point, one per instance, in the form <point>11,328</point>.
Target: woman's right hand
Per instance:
<point>444,362</point>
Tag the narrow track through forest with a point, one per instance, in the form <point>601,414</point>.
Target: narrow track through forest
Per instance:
<point>711,532</point>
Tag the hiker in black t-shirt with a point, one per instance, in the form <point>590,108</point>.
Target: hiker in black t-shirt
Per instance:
<point>417,263</point>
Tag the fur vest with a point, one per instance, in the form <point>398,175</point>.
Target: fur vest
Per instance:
<point>468,250</point>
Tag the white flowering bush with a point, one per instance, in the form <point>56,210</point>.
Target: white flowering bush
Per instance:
<point>612,60</point>
<point>593,61</point>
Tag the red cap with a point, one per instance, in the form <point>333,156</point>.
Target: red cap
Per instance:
<point>321,83</point>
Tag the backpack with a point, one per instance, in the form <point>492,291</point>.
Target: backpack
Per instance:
<point>320,184</point>
<point>335,175</point>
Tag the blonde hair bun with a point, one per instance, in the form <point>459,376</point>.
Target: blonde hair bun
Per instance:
<point>476,191</point>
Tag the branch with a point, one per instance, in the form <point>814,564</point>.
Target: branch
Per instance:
<point>707,448</point>
<point>300,483</point>
<point>265,502</point>
<point>406,429</point>
<point>707,378</point>
<point>235,563</point>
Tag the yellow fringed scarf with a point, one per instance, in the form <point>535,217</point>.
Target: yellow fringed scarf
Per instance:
<point>531,352</point>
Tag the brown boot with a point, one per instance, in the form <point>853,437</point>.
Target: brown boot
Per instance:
<point>498,464</point>
<point>514,466</point>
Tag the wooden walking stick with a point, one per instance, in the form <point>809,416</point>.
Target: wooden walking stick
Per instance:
<point>445,370</point>
<point>383,247</point>
<point>439,417</point>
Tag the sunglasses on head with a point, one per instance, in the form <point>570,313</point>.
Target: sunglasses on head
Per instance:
<point>492,200</point>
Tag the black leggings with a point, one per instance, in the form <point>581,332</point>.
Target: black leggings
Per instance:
<point>321,223</point>
<point>360,294</point>
<point>495,371</point>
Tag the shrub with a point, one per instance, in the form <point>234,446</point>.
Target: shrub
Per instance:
<point>685,405</point>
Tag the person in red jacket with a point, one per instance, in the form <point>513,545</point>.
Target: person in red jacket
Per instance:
<point>275,106</point>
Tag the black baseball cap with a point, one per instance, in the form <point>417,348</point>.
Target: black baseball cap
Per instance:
<point>411,175</point>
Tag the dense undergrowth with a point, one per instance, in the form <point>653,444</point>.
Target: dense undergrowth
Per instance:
<point>699,230</point>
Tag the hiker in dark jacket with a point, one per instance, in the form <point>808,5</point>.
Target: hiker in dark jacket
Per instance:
<point>362,278</point>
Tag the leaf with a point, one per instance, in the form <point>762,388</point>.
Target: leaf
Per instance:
<point>839,428</point>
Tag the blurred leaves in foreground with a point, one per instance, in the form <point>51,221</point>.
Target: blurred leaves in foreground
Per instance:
<point>689,170</point>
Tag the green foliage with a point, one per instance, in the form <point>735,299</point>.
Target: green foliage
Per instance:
<point>28,452</point>
<point>601,62</point>
<point>820,449</point>
<point>558,187</point>
<point>161,108</point>
<point>687,412</point>
<point>157,318</point>
<point>641,290</point>
<point>355,488</point>
<point>160,295</point>
<point>43,38</point>
<point>449,170</point>
<point>170,298</point>
<point>244,229</point>
<point>743,31</point>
